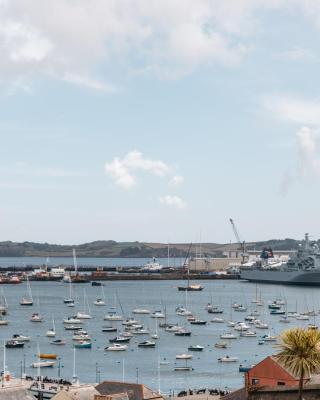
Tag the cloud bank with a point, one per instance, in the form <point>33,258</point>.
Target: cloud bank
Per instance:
<point>71,41</point>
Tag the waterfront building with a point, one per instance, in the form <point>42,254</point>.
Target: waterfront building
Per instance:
<point>269,372</point>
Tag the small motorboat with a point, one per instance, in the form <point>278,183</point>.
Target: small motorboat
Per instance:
<point>71,304</point>
<point>277,312</point>
<point>83,344</point>
<point>99,302</point>
<point>25,301</point>
<point>72,320</point>
<point>21,338</point>
<point>220,345</point>
<point>126,334</point>
<point>248,334</point>
<point>184,356</point>
<point>36,317</point>
<point>217,320</point>
<point>228,335</point>
<point>116,347</point>
<point>80,337</point>
<point>113,317</point>
<point>182,332</point>
<point>82,315</point>
<point>196,347</point>
<point>130,322</point>
<point>141,311</point>
<point>141,331</point>
<point>191,288</point>
<point>157,314</point>
<point>68,301</point>
<point>3,322</point>
<point>183,369</point>
<point>269,338</point>
<point>72,328</point>
<point>120,339</point>
<point>43,364</point>
<point>147,344</point>
<point>198,322</point>
<point>58,342</point>
<point>228,359</point>
<point>94,283</point>
<point>109,329</point>
<point>14,344</point>
<point>183,312</point>
<point>173,328</point>
<point>154,336</point>
<point>215,310</point>
<point>302,317</point>
<point>48,356</point>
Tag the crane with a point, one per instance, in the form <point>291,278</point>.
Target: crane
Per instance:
<point>241,243</point>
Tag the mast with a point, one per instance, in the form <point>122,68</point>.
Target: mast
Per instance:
<point>168,255</point>
<point>159,390</point>
<point>75,261</point>
<point>4,362</point>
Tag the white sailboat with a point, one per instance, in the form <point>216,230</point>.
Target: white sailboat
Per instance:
<point>85,314</point>
<point>51,332</point>
<point>4,303</point>
<point>69,299</point>
<point>27,300</point>
<point>101,301</point>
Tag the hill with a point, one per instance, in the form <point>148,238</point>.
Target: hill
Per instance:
<point>110,248</point>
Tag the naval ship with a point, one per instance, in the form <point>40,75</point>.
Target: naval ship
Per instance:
<point>303,268</point>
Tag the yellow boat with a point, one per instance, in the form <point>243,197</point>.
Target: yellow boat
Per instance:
<point>47,356</point>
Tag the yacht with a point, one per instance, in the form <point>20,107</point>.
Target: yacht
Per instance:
<point>72,320</point>
<point>36,317</point>
<point>184,356</point>
<point>228,359</point>
<point>116,347</point>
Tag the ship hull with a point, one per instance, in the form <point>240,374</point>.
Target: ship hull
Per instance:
<point>306,278</point>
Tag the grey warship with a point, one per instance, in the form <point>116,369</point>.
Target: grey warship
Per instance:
<point>303,268</point>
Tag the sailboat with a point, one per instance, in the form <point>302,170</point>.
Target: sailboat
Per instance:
<point>189,287</point>
<point>3,304</point>
<point>51,332</point>
<point>101,301</point>
<point>84,314</point>
<point>37,317</point>
<point>69,299</point>
<point>27,300</point>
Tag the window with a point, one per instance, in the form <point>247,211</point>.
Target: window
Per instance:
<point>255,381</point>
<point>281,383</point>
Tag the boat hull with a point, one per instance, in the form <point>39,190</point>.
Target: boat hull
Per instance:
<point>306,278</point>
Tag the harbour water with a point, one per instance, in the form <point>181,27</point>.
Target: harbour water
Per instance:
<point>142,364</point>
<point>85,261</point>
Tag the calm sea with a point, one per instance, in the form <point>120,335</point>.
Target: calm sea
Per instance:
<point>84,261</point>
<point>142,364</point>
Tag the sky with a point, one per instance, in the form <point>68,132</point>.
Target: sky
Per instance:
<point>158,120</point>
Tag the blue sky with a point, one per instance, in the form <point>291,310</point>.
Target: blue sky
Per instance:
<point>157,120</point>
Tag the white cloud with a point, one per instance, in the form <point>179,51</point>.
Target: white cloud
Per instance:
<point>297,53</point>
<point>90,83</point>
<point>293,109</point>
<point>176,180</point>
<point>307,162</point>
<point>122,171</point>
<point>72,40</point>
<point>173,201</point>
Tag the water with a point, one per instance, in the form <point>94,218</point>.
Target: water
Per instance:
<point>86,261</point>
<point>142,363</point>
